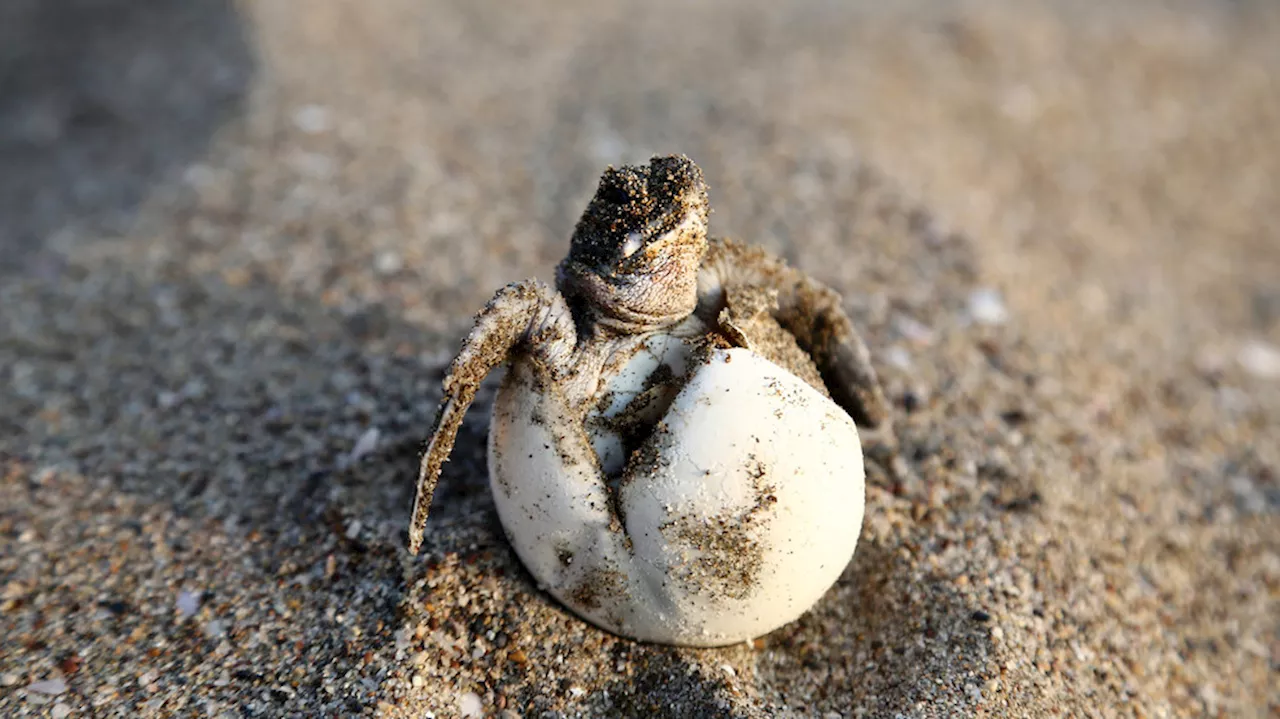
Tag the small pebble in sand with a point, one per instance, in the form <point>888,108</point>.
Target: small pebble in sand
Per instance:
<point>1249,495</point>
<point>312,119</point>
<point>353,529</point>
<point>913,330</point>
<point>388,263</point>
<point>898,357</point>
<point>60,711</point>
<point>1260,359</point>
<point>986,307</point>
<point>365,446</point>
<point>469,705</point>
<point>51,687</point>
<point>188,603</point>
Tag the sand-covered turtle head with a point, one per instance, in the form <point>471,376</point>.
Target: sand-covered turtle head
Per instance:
<point>634,256</point>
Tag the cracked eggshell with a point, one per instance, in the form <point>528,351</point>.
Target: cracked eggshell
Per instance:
<point>733,518</point>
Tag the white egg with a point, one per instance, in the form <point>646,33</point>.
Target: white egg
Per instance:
<point>731,517</point>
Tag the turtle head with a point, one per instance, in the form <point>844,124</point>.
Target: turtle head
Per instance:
<point>634,257</point>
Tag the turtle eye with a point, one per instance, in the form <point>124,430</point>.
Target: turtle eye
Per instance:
<point>614,187</point>
<point>633,242</point>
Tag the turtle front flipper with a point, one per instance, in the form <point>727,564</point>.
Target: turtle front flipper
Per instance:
<point>807,309</point>
<point>735,279</point>
<point>748,321</point>
<point>524,316</point>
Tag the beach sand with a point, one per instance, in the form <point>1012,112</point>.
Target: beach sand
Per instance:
<point>243,239</point>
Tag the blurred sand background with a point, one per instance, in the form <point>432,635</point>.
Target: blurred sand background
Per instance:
<point>240,240</point>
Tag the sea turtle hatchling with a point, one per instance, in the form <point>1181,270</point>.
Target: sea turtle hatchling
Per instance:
<point>672,451</point>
